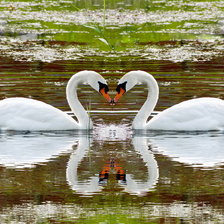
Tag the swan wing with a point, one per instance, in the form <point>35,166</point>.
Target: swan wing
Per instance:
<point>191,115</point>
<point>27,114</point>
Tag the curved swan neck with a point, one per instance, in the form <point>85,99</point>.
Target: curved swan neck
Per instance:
<point>71,94</point>
<point>140,120</point>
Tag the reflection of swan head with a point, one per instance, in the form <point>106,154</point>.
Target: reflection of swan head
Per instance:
<point>127,182</point>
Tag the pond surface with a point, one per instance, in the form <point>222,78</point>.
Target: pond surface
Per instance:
<point>112,174</point>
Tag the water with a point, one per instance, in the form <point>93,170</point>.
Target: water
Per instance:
<point>56,178</point>
<point>111,174</point>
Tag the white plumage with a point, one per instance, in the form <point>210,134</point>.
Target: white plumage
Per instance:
<point>199,114</point>
<point>192,115</point>
<point>27,114</point>
<point>33,115</point>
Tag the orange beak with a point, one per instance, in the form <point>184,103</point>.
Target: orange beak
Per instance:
<point>105,95</point>
<point>119,95</point>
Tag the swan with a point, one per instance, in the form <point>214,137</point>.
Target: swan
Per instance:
<point>201,114</point>
<point>20,113</point>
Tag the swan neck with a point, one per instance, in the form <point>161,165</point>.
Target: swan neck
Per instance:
<point>140,121</point>
<point>71,94</point>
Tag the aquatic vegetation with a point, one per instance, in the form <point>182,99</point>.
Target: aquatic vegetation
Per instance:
<point>52,30</point>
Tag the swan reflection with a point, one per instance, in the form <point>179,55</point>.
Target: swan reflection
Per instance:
<point>203,149</point>
<point>23,150</point>
<point>113,170</point>
<point>97,163</point>
<point>120,173</point>
<point>87,186</point>
<point>138,187</point>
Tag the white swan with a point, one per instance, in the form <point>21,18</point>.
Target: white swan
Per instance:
<point>192,115</point>
<point>28,114</point>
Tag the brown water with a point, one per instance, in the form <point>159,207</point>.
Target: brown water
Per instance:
<point>53,177</point>
<point>154,177</point>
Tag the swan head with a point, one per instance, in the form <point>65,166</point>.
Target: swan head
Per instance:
<point>127,82</point>
<point>97,82</point>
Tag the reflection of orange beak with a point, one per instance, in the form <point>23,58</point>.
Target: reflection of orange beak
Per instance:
<point>105,95</point>
<point>119,95</point>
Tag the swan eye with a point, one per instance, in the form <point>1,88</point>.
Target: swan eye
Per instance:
<point>121,86</point>
<point>103,86</point>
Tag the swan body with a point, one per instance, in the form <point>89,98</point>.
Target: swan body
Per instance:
<point>28,114</point>
<point>200,114</point>
<point>19,113</point>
